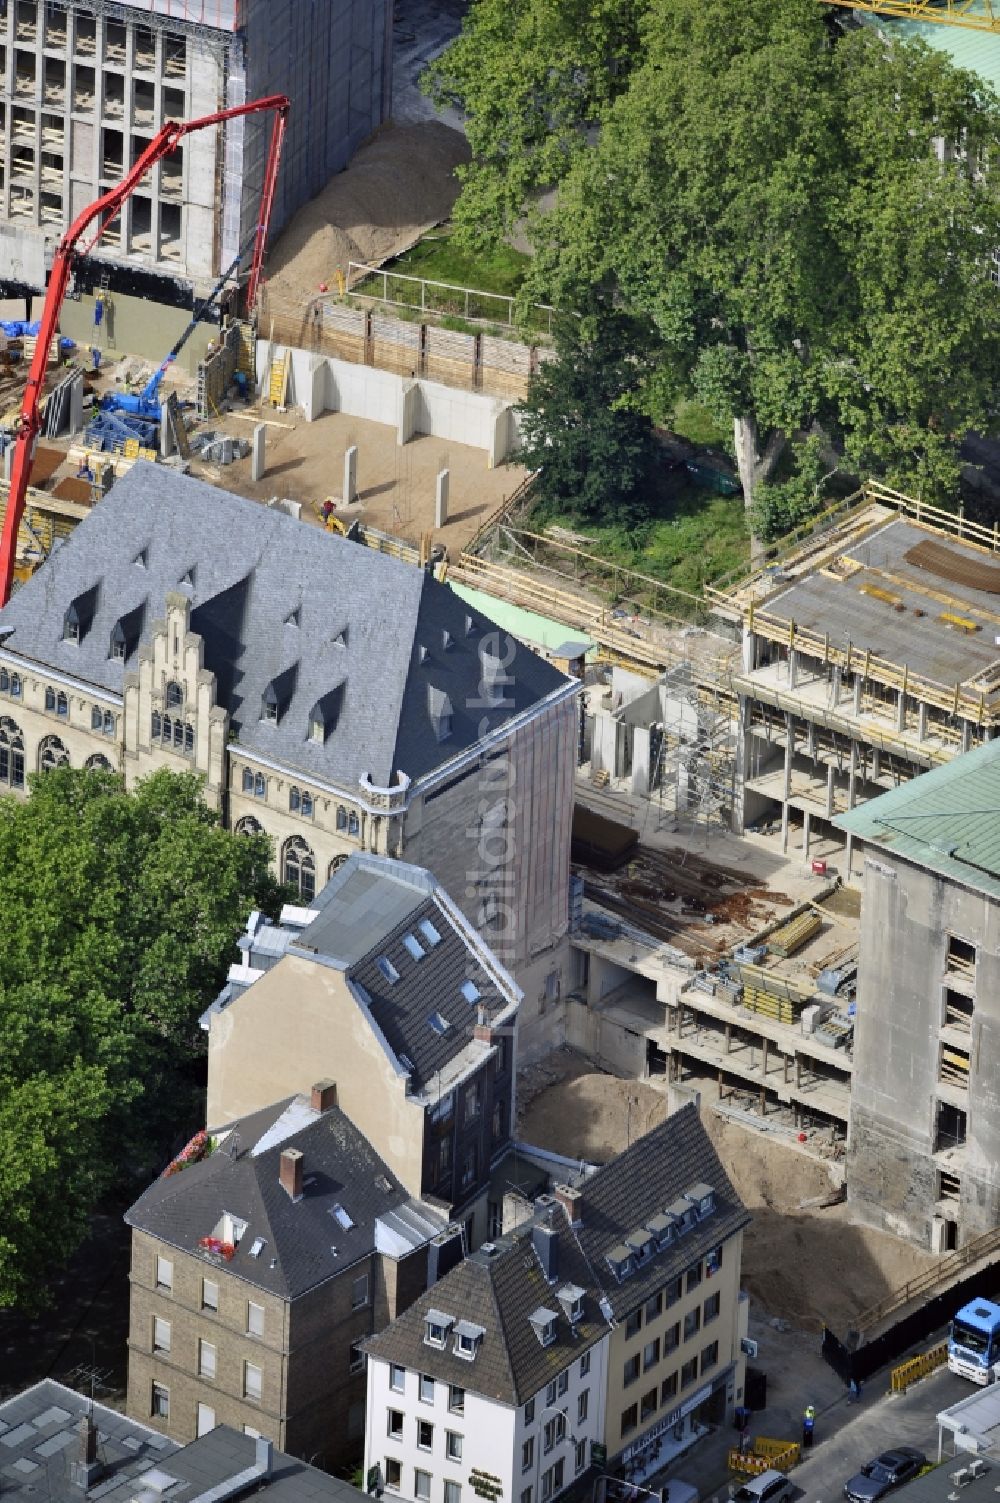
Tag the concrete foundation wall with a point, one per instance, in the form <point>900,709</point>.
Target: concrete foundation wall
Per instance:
<point>133,326</point>
<point>908,916</point>
<point>411,406</point>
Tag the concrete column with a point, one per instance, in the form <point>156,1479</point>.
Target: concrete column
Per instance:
<point>876,764</point>
<point>921,722</point>
<point>811,740</point>
<point>805,834</point>
<point>749,650</point>
<point>851,794</point>
<point>501,435</point>
<point>966,735</point>
<point>406,412</point>
<point>857,694</point>
<point>787,787</point>
<point>350,492</point>
<point>257,451</point>
<point>793,667</point>
<point>441,498</point>
<point>901,712</point>
<point>829,792</point>
<point>836,680</point>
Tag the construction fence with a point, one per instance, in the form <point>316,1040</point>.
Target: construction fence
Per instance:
<point>367,336</point>
<point>446,298</point>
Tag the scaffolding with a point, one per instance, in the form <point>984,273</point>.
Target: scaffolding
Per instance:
<point>693,750</point>
<point>977,15</point>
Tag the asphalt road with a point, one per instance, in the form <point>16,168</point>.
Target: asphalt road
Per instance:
<point>909,1419</point>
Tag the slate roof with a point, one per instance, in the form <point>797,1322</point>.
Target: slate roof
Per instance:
<point>947,820</point>
<point>326,621</point>
<point>499,1292</point>
<point>648,1177</point>
<point>242,1177</point>
<point>38,1461</point>
<point>371,911</point>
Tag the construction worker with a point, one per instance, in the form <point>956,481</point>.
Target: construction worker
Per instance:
<point>808,1425</point>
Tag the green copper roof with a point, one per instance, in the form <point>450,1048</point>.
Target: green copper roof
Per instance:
<point>976,51</point>
<point>947,820</point>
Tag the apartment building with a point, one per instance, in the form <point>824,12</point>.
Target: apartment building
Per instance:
<point>869,655</point>
<point>608,1331</point>
<point>383,987</point>
<point>493,1383</point>
<point>261,1259</point>
<point>925,1116</point>
<point>181,626</point>
<point>85,85</point>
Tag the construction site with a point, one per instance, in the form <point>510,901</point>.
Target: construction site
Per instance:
<point>715,909</point>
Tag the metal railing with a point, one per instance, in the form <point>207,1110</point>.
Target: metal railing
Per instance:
<point>445,298</point>
<point>932,1280</point>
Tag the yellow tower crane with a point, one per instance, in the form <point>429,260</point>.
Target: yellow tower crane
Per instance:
<point>977,15</point>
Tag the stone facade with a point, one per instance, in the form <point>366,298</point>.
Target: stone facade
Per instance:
<point>192,1365</point>
<point>925,1105</point>
<point>493,824</point>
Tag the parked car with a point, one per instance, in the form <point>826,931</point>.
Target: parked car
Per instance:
<point>767,1487</point>
<point>887,1471</point>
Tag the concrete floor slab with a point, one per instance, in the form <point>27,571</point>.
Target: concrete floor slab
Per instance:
<point>305,462</point>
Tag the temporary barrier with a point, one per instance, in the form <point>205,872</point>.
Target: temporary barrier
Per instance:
<point>916,1368</point>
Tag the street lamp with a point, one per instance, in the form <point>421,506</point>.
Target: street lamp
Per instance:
<point>559,1440</point>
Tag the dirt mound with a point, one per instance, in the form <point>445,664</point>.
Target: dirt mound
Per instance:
<point>396,187</point>
<point>805,1264</point>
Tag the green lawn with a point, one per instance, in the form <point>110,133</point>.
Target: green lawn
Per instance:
<point>695,538</point>
<point>439,259</point>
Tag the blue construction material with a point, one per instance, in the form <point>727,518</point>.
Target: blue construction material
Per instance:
<point>112,431</point>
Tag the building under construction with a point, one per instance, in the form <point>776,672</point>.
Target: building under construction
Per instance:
<point>869,653</point>
<point>85,84</point>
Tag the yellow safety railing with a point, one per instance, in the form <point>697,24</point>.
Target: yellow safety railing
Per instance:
<point>916,1368</point>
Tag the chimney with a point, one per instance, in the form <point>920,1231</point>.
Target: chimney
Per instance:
<point>290,1173</point>
<point>443,1254</point>
<point>482,1032</point>
<point>263,1456</point>
<point>545,1240</point>
<point>324,1095</point>
<point>86,1468</point>
<point>571,1201</point>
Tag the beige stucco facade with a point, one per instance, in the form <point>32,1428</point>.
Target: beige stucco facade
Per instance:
<point>297,1023</point>
<point>674,1345</point>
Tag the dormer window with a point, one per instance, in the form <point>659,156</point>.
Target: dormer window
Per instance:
<point>570,1297</point>
<point>620,1262</point>
<point>439,708</point>
<point>269,705</point>
<point>702,1197</point>
<point>467,1339</point>
<point>543,1323</point>
<point>683,1214</point>
<point>388,970</point>
<point>71,625</point>
<point>641,1245</point>
<point>662,1229</point>
<point>436,1328</point>
<point>117,641</point>
<point>317,731</point>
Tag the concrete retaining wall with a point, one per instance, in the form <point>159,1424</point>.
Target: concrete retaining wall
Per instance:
<point>320,383</point>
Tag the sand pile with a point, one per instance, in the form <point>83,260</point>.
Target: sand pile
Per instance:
<point>396,187</point>
<point>809,1265</point>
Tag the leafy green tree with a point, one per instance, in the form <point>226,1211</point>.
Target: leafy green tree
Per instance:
<point>119,912</point>
<point>771,195</point>
<point>531,76</point>
<point>594,451</point>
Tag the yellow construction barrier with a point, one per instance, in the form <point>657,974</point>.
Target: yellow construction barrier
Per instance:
<point>782,1455</point>
<point>916,1368</point>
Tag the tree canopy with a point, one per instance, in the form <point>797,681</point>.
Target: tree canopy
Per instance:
<point>806,218</point>
<point>119,912</point>
<point>581,430</point>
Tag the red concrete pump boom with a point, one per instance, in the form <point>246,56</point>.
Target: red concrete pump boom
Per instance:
<point>105,209</point>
